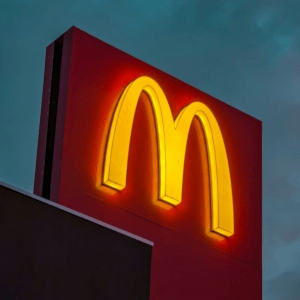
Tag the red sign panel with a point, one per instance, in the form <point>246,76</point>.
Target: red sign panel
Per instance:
<point>191,257</point>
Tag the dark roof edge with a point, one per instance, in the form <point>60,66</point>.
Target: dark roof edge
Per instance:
<point>76,213</point>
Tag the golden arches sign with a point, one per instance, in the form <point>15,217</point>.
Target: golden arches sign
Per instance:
<point>172,139</point>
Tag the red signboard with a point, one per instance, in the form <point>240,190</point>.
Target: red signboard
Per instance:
<point>191,260</point>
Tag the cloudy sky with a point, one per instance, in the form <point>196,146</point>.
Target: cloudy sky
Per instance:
<point>245,53</point>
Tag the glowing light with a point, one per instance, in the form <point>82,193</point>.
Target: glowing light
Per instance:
<point>172,139</point>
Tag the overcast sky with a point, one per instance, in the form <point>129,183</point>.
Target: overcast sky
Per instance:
<point>245,53</point>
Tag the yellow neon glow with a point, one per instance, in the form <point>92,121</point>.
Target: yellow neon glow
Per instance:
<point>172,139</point>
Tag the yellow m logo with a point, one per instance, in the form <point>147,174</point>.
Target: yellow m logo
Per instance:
<point>172,139</point>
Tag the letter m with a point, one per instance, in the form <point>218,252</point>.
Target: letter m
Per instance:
<point>172,139</point>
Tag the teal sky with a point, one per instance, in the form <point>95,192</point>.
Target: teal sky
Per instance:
<point>245,53</point>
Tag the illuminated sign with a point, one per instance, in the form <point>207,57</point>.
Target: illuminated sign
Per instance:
<point>172,140</point>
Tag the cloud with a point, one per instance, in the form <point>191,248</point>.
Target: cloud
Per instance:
<point>286,286</point>
<point>290,233</point>
<point>281,188</point>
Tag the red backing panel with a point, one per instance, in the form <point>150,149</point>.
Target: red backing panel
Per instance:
<point>189,261</point>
